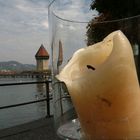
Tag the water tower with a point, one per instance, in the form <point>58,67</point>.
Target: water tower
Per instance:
<point>42,59</point>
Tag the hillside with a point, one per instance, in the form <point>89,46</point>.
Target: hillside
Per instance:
<point>16,66</point>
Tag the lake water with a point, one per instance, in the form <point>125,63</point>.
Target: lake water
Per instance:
<point>17,94</point>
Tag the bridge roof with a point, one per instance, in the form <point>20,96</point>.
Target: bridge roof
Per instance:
<point>42,52</point>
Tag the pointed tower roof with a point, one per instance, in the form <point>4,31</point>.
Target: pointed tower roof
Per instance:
<point>42,53</point>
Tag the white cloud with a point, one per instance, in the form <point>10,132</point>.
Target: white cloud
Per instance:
<point>45,24</point>
<point>36,12</point>
<point>75,10</point>
<point>31,9</point>
<point>24,8</point>
<point>72,27</point>
<point>24,27</point>
<point>61,25</point>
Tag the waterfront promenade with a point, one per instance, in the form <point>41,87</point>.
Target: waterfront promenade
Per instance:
<point>42,129</point>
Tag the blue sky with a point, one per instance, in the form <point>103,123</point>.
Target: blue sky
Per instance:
<point>24,27</point>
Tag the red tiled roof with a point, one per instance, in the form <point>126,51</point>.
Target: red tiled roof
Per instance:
<point>42,52</point>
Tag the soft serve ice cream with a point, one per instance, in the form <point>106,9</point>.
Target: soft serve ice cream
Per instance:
<point>104,88</point>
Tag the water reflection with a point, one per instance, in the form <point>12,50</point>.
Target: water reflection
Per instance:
<point>18,94</point>
<point>41,91</point>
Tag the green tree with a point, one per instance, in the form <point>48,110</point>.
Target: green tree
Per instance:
<point>113,10</point>
<point>110,18</point>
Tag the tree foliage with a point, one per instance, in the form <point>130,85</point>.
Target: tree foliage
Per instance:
<point>111,14</point>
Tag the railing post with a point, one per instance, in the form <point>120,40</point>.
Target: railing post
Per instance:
<point>47,99</point>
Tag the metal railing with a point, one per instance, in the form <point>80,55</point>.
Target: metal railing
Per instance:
<point>47,99</point>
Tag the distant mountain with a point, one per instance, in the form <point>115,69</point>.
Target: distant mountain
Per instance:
<point>16,66</point>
